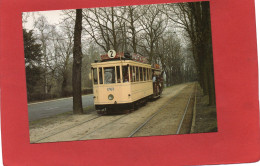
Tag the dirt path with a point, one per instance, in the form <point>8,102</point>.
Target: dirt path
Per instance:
<point>70,127</point>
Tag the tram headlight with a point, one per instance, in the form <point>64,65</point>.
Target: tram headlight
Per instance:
<point>110,97</point>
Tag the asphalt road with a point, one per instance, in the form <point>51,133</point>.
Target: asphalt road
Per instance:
<point>49,108</point>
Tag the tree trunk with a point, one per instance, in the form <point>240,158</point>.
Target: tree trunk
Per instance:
<point>133,30</point>
<point>212,98</point>
<point>77,63</point>
<point>208,50</point>
<point>203,47</point>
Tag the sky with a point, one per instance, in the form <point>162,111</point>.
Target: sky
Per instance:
<point>53,17</point>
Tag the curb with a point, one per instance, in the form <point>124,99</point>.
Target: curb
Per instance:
<point>46,101</point>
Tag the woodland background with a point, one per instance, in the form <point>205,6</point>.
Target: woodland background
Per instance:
<point>175,36</point>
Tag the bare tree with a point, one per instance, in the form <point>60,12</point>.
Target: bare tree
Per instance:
<point>149,30</point>
<point>129,25</point>
<point>195,19</point>
<point>168,51</point>
<point>153,24</point>
<point>63,47</point>
<point>103,26</point>
<point>77,62</point>
<point>44,30</point>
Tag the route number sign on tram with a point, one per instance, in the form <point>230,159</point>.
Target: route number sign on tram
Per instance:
<point>111,53</point>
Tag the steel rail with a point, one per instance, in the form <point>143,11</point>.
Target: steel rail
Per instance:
<point>77,126</point>
<point>132,133</point>
<point>142,125</point>
<point>82,138</point>
<point>50,135</point>
<point>150,118</point>
<point>179,128</point>
<point>194,110</point>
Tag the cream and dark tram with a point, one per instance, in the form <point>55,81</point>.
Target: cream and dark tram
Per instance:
<point>124,80</point>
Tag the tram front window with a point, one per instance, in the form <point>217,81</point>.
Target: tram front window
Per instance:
<point>109,75</point>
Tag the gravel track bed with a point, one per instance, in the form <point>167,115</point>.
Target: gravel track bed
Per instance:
<point>100,128</point>
<point>167,121</point>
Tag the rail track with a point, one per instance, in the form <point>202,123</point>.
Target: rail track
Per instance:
<point>61,131</point>
<point>185,111</point>
<point>101,127</point>
<point>159,111</point>
<point>79,124</point>
<point>84,137</point>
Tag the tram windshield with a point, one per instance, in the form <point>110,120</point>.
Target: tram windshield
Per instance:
<point>109,75</point>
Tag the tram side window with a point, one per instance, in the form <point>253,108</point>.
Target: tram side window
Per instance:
<point>125,74</point>
<point>109,75</point>
<point>145,71</point>
<point>151,75</point>
<point>133,75</point>
<point>100,75</point>
<point>137,73</point>
<point>95,80</point>
<point>148,74</point>
<point>118,74</point>
<point>141,74</point>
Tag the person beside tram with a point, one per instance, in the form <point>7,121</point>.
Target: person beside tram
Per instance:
<point>154,78</point>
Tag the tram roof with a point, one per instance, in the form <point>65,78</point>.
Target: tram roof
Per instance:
<point>117,62</point>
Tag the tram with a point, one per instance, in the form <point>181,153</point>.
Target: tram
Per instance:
<point>124,80</point>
